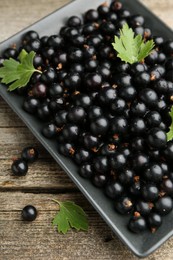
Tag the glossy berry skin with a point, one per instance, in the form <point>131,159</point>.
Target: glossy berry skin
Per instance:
<point>137,224</point>
<point>31,104</point>
<point>150,192</point>
<point>114,190</point>
<point>19,167</point>
<point>143,207</point>
<point>49,131</point>
<point>153,173</point>
<point>76,115</point>
<point>124,205</point>
<point>29,154</point>
<point>164,205</point>
<point>154,221</point>
<point>168,151</point>
<point>86,170</point>
<point>157,138</point>
<point>99,126</point>
<point>29,213</point>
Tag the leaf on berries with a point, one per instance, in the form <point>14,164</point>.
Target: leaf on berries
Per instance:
<point>18,73</point>
<point>170,133</point>
<point>70,216</point>
<point>131,48</point>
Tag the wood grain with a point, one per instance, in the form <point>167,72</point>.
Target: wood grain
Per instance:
<point>45,180</point>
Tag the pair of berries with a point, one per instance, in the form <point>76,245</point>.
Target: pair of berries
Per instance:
<point>19,167</point>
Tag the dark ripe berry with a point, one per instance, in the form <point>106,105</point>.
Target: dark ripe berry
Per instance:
<point>141,79</point>
<point>29,154</point>
<point>103,10</point>
<point>86,170</point>
<point>138,143</point>
<point>138,108</point>
<point>112,17</point>
<point>139,160</point>
<point>118,106</point>
<point>39,90</point>
<point>107,149</point>
<point>168,151</point>
<point>48,53</point>
<point>137,67</point>
<point>151,59</point>
<point>126,177</point>
<point>93,81</point>
<point>164,205</point>
<point>60,118</point>
<point>137,224</point>
<point>94,112</point>
<point>33,45</point>
<point>143,207</point>
<point>154,221</point>
<point>101,164</point>
<point>38,61</point>
<point>150,192</point>
<point>89,29</point>
<point>49,131</point>
<point>107,95</point>
<point>91,65</point>
<point>153,173</point>
<point>43,40</point>
<point>75,54</point>
<point>124,205</point>
<point>119,125</point>
<point>95,40</point>
<point>48,76</point>
<point>137,20</point>
<point>59,59</point>
<point>76,115</point>
<point>91,15</point>
<point>66,149</point>
<point>99,180</point>
<point>10,53</point>
<point>169,75</point>
<point>70,132</point>
<point>156,72</point>
<point>117,161</point>
<point>77,68</point>
<point>157,138</point>
<point>69,32</point>
<point>74,21</point>
<point>161,86</point>
<point>55,41</point>
<point>19,167</point>
<point>107,28</point>
<point>91,141</point>
<point>81,156</point>
<point>158,40</point>
<point>30,35</point>
<point>137,126</point>
<point>31,104</point>
<point>29,213</point>
<point>57,104</point>
<point>55,90</point>
<point>43,111</point>
<point>149,97</point>
<point>105,51</point>
<point>88,51</point>
<point>99,126</point>
<point>128,93</point>
<point>135,189</point>
<point>104,72</point>
<point>78,40</point>
<point>168,47</point>
<point>72,81</point>
<point>167,186</point>
<point>114,190</point>
<point>83,100</point>
<point>153,118</point>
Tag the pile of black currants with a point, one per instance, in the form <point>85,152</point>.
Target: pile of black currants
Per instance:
<point>109,117</point>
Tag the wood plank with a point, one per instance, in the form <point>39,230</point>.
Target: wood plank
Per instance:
<point>38,240</point>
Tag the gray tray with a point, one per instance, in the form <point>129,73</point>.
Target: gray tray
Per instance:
<point>143,244</point>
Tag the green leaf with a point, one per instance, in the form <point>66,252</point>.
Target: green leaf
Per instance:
<point>70,216</point>
<point>131,48</point>
<point>170,133</point>
<point>8,72</point>
<point>18,73</point>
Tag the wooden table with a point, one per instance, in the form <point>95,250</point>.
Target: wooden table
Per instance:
<point>45,180</point>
